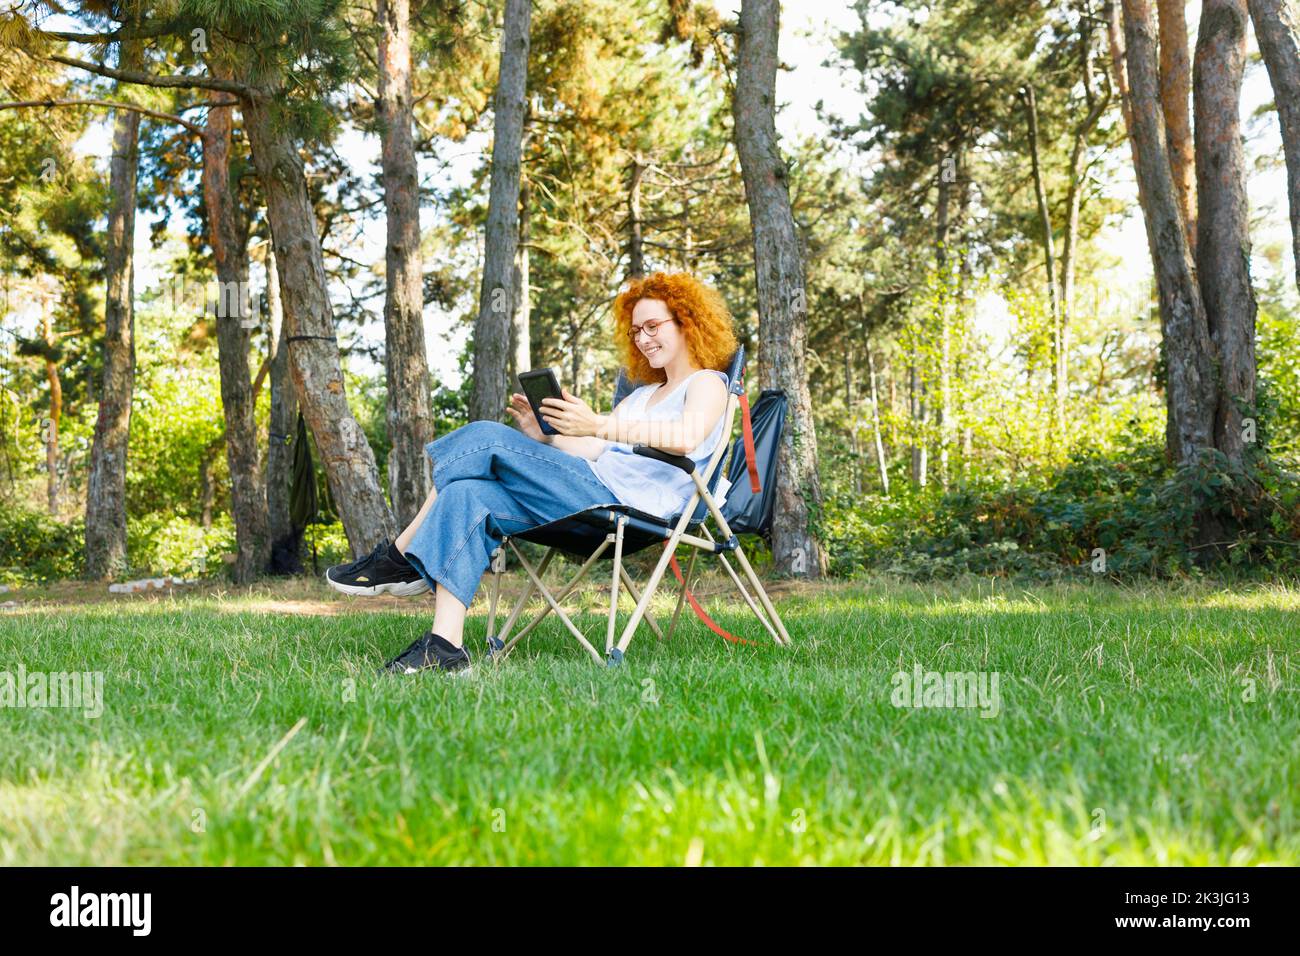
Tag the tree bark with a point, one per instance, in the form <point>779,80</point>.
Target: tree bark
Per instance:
<point>284,416</point>
<point>51,436</point>
<point>920,416</point>
<point>875,420</point>
<point>782,302</point>
<point>945,391</point>
<point>106,483</point>
<point>855,452</point>
<point>1115,34</point>
<point>496,295</point>
<point>635,241</point>
<point>410,422</point>
<point>1044,212</point>
<point>1049,259</point>
<point>1119,72</point>
<point>1073,203</point>
<point>1278,33</point>
<point>1187,342</point>
<point>345,453</point>
<point>1175,91</point>
<point>229,240</point>
<point>520,327</point>
<point>575,353</point>
<point>1223,223</point>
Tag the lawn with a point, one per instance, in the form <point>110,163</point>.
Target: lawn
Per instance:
<point>1153,725</point>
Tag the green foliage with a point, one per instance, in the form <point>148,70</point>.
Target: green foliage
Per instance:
<point>330,542</point>
<point>42,549</point>
<point>1278,354</point>
<point>39,548</point>
<point>158,544</point>
<point>176,423</point>
<point>1119,516</point>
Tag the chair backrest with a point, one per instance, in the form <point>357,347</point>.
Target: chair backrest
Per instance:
<point>623,387</point>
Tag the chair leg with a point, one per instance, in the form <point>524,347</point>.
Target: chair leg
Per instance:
<point>616,655</point>
<point>504,636</point>
<point>725,530</point>
<point>614,581</point>
<point>779,636</point>
<point>563,594</point>
<point>636,599</point>
<point>498,566</point>
<point>546,594</point>
<point>681,595</point>
<point>762,596</point>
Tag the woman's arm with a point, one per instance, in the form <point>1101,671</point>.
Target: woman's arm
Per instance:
<point>706,400</point>
<point>583,447</point>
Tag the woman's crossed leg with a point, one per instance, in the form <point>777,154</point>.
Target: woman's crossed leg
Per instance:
<point>490,481</point>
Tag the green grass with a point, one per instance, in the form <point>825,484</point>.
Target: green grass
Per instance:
<point>1123,736</point>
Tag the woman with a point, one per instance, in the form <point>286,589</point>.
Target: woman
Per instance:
<point>491,481</point>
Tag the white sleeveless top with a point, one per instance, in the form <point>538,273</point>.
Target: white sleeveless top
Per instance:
<point>648,484</point>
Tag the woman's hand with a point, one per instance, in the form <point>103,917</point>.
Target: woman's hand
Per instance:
<point>570,415</point>
<point>525,419</point>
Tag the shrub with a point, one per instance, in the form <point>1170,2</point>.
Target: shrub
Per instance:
<point>159,544</point>
<point>1123,517</point>
<point>39,548</point>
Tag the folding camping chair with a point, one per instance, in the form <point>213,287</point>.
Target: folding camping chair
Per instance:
<point>629,531</point>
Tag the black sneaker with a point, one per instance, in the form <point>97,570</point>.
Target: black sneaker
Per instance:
<point>383,571</point>
<point>430,652</point>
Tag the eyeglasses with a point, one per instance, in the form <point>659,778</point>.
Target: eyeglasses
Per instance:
<point>650,328</point>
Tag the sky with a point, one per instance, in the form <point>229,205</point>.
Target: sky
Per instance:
<point>807,29</point>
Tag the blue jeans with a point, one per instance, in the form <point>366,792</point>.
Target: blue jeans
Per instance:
<point>493,481</point>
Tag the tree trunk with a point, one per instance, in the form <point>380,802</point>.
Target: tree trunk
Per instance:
<point>1049,258</point>
<point>410,422</point>
<point>779,270</point>
<point>106,483</point>
<point>207,487</point>
<point>855,456</point>
<point>1119,72</point>
<point>1073,204</point>
<point>919,415</point>
<point>635,241</point>
<point>50,431</point>
<point>1187,342</point>
<point>345,453</point>
<point>918,380</point>
<point>945,392</point>
<point>520,328</point>
<point>1115,34</point>
<point>284,416</point>
<point>1223,223</point>
<point>1278,34</point>
<point>1040,193</point>
<point>229,242</point>
<point>1175,90</point>
<point>496,295</point>
<point>575,354</point>
<point>875,421</point>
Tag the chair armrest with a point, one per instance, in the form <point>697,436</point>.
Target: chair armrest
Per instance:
<point>677,461</point>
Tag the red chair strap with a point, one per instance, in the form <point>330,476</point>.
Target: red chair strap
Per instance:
<point>700,612</point>
<point>747,429</point>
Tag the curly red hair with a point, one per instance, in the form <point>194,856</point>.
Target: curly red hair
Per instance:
<point>699,309</point>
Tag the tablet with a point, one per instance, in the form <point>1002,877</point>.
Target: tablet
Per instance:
<point>538,384</point>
